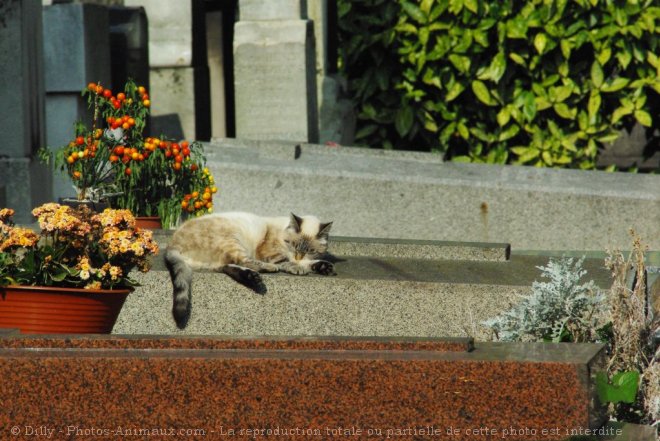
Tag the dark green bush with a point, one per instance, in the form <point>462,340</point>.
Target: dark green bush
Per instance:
<point>542,82</point>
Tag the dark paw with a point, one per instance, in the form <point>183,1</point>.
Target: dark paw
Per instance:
<point>324,268</point>
<point>254,281</point>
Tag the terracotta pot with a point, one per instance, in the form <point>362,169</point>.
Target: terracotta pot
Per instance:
<point>60,310</point>
<point>149,222</point>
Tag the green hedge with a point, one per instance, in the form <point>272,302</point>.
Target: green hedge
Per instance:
<point>541,82</point>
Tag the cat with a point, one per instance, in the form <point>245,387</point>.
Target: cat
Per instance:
<point>242,245</point>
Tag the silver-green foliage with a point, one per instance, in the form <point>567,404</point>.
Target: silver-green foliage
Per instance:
<point>562,309</point>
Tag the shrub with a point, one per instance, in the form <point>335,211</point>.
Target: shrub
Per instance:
<point>561,309</point>
<point>544,83</point>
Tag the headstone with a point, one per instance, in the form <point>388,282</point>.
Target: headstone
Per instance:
<point>21,76</point>
<point>76,52</point>
<point>129,46</point>
<point>170,31</point>
<point>275,72</point>
<point>22,110</point>
<point>76,46</point>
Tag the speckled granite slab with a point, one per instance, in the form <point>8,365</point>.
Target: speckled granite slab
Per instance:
<point>216,388</point>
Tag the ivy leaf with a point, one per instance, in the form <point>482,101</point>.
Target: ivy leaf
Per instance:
<point>403,120</point>
<point>482,93</point>
<point>460,62</point>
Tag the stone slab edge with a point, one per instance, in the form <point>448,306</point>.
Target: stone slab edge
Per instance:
<point>402,248</point>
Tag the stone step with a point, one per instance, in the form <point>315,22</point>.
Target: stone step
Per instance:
<point>368,388</point>
<point>370,296</point>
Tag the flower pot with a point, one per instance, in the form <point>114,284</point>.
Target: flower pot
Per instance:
<point>60,310</point>
<point>148,222</point>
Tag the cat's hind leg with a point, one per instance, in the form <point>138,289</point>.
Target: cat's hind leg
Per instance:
<point>245,276</point>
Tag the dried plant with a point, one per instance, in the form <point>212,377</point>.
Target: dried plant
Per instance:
<point>633,327</point>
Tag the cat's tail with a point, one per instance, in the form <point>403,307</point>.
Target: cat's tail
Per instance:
<point>181,275</point>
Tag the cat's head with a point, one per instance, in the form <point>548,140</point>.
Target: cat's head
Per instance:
<point>307,237</point>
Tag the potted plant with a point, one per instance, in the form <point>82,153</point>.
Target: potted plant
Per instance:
<point>74,275</point>
<point>151,177</point>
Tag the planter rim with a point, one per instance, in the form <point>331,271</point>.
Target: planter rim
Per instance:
<point>66,288</point>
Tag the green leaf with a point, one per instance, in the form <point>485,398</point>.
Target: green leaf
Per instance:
<point>615,85</point>
<point>529,106</point>
<point>530,154</point>
<point>455,91</point>
<point>622,388</point>
<point>425,6</point>
<point>414,12</point>
<point>472,6</point>
<point>566,47</point>
<point>517,59</point>
<point>624,56</point>
<point>564,111</point>
<point>597,74</point>
<point>403,120</point>
<point>619,113</point>
<point>460,62</point>
<point>463,158</point>
<point>366,131</point>
<point>540,42</point>
<point>482,93</point>
<point>644,118</point>
<point>604,55</point>
<point>509,133</point>
<point>562,93</point>
<point>463,130</point>
<point>503,116</point>
<point>594,104</point>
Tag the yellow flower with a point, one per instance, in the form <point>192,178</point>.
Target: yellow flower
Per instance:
<point>19,237</point>
<point>93,285</point>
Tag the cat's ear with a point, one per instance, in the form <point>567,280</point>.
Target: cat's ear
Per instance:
<point>324,230</point>
<point>296,223</point>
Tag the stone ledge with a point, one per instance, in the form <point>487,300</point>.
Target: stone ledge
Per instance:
<point>394,195</point>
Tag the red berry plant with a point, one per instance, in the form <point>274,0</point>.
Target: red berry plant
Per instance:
<point>150,176</point>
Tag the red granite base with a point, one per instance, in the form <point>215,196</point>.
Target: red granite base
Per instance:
<point>151,388</point>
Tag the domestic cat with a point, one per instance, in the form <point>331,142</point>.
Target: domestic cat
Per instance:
<point>242,245</point>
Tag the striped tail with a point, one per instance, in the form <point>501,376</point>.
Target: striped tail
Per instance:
<point>181,275</point>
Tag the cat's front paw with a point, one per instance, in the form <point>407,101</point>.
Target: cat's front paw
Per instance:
<point>324,268</point>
